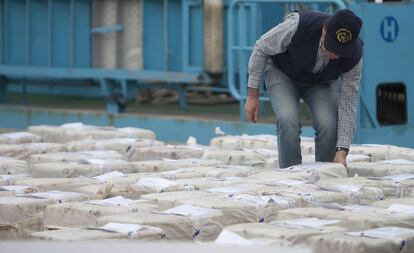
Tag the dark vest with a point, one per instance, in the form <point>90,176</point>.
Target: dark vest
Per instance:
<point>298,61</point>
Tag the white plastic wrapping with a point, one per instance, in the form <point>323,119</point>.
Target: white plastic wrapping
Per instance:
<point>84,214</point>
<point>86,168</point>
<point>381,168</point>
<point>21,216</point>
<point>19,137</point>
<point>25,150</point>
<point>109,231</point>
<point>78,131</point>
<point>237,157</point>
<point>290,235</point>
<point>121,145</point>
<point>162,152</point>
<point>396,240</point>
<point>88,157</point>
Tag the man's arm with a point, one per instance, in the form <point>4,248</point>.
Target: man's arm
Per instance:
<point>273,42</point>
<point>348,93</point>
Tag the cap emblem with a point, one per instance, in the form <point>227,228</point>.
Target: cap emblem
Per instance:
<point>343,35</point>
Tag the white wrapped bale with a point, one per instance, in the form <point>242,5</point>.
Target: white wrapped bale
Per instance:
<point>13,166</point>
<point>311,196</point>
<point>24,151</point>
<point>168,200</point>
<point>78,131</point>
<point>7,194</point>
<point>58,196</point>
<point>273,163</point>
<point>376,152</point>
<point>390,186</point>
<point>58,184</point>
<point>121,145</point>
<point>296,232</point>
<point>183,222</point>
<point>319,170</point>
<point>87,157</point>
<point>389,201</point>
<point>96,191</point>
<point>19,137</point>
<point>86,168</point>
<point>381,169</point>
<point>353,158</point>
<point>91,188</point>
<point>169,164</point>
<point>403,184</point>
<point>21,216</point>
<point>18,189</point>
<point>215,172</point>
<point>11,179</point>
<point>120,231</point>
<point>400,153</point>
<point>236,157</point>
<point>84,214</point>
<point>380,240</point>
<point>360,191</point>
<point>162,152</point>
<point>245,141</point>
<point>239,208</point>
<point>207,183</point>
<point>311,172</point>
<point>354,217</point>
<point>266,206</point>
<point>157,185</point>
<point>134,132</point>
<point>135,185</point>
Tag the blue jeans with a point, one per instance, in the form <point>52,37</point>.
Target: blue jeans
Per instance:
<point>285,95</point>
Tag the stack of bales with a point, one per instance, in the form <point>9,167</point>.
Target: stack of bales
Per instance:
<point>81,182</point>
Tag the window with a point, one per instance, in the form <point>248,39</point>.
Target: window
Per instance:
<point>391,104</point>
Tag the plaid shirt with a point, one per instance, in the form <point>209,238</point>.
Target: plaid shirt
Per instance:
<point>276,41</point>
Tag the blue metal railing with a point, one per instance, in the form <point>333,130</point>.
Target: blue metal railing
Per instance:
<point>243,50</point>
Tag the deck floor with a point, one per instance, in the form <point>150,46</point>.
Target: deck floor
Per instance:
<point>199,108</point>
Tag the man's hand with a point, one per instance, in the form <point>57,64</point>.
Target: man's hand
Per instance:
<point>252,105</point>
<point>340,157</point>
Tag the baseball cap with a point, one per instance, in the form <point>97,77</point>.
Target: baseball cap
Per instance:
<point>342,33</point>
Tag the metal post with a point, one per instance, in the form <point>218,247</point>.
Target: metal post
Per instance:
<point>242,60</point>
